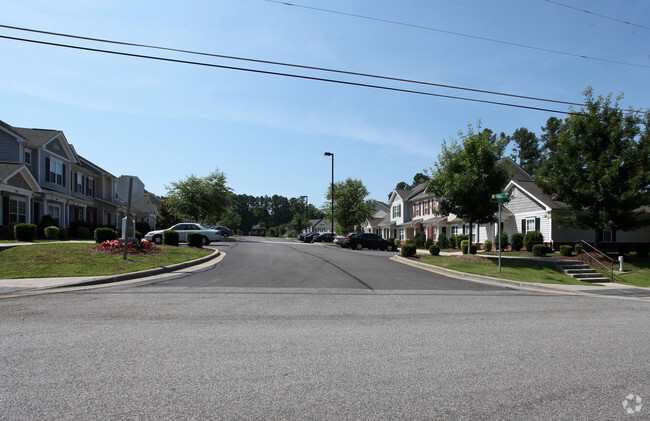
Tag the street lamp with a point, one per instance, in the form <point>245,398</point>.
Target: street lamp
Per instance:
<point>332,155</point>
<point>306,205</point>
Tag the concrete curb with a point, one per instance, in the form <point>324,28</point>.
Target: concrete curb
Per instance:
<point>91,281</point>
<point>482,278</point>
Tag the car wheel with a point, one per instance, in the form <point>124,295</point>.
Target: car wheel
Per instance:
<point>157,239</point>
<point>390,247</point>
<point>205,241</point>
<point>359,246</point>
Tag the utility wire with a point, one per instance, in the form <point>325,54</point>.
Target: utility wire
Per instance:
<point>597,14</point>
<point>428,28</point>
<point>396,79</point>
<point>266,72</point>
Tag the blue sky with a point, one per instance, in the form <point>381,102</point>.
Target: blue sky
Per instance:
<point>164,121</point>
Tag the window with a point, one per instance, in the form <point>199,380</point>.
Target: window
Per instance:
<point>17,211</point>
<point>90,187</point>
<point>397,211</point>
<point>417,209</point>
<point>454,230</point>
<point>607,236</point>
<point>55,212</point>
<point>79,182</point>
<point>530,224</point>
<point>55,171</point>
<point>28,156</point>
<point>402,234</point>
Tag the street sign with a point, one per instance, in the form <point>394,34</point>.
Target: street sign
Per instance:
<point>499,200</point>
<point>500,196</point>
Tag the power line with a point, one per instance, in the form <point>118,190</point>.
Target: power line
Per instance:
<point>342,82</point>
<point>324,69</point>
<point>460,34</point>
<point>597,14</point>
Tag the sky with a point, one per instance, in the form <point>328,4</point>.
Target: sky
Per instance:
<point>164,121</point>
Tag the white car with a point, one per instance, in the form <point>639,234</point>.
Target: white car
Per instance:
<point>209,235</point>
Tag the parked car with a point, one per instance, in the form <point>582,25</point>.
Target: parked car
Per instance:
<point>225,231</point>
<point>182,229</point>
<point>371,241</point>
<point>325,237</point>
<point>309,238</point>
<point>340,239</point>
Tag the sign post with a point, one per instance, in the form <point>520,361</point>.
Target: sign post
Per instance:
<point>499,198</point>
<point>133,189</point>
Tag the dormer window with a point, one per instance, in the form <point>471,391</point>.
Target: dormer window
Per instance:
<point>28,156</point>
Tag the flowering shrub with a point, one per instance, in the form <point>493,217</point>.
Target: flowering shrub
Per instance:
<point>132,247</point>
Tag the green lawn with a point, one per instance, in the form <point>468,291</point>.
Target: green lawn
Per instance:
<point>520,270</point>
<point>637,271</point>
<point>78,259</point>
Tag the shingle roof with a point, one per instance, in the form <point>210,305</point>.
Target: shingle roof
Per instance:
<point>8,168</point>
<point>37,137</point>
<point>547,199</point>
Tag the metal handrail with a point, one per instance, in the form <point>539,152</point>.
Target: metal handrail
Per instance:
<point>582,251</point>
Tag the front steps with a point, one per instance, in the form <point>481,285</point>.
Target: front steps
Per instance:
<point>581,271</point>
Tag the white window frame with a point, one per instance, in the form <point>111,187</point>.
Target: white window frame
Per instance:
<point>55,212</point>
<point>17,210</point>
<point>79,183</point>
<point>530,222</point>
<point>402,234</point>
<point>90,187</point>
<point>28,156</point>
<point>454,230</point>
<point>56,171</point>
<point>397,211</point>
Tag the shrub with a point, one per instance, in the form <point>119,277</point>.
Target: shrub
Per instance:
<point>74,228</point>
<point>104,234</point>
<point>25,232</point>
<point>82,232</point>
<point>578,248</point>
<point>460,238</point>
<point>623,249</point>
<point>408,250</point>
<point>138,235</point>
<point>532,239</point>
<point>566,250</point>
<point>408,241</point>
<point>142,227</point>
<point>4,233</point>
<point>194,239</point>
<point>434,249</point>
<point>63,233</point>
<point>642,250</point>
<point>539,250</point>
<point>46,221</point>
<point>452,242</point>
<point>52,233</point>
<point>504,240</point>
<point>419,239</point>
<point>170,237</point>
<point>517,241</point>
<point>392,240</point>
<point>463,247</point>
<point>487,245</point>
<point>428,243</point>
<point>443,241</point>
<point>12,230</point>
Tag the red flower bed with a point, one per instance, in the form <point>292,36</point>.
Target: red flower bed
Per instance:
<point>133,247</point>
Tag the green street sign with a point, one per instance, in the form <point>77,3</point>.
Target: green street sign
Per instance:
<point>499,200</point>
<point>500,196</point>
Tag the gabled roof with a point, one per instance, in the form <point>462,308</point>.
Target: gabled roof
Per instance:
<point>9,169</point>
<point>37,137</point>
<point>531,188</point>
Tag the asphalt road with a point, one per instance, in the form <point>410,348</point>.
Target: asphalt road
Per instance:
<point>209,347</point>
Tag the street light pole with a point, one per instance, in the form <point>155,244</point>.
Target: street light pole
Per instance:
<point>332,155</point>
<point>306,206</point>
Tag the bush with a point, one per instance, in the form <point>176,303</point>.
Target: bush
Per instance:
<point>4,233</point>
<point>623,249</point>
<point>52,233</point>
<point>12,230</point>
<point>428,243</point>
<point>138,235</point>
<point>578,248</point>
<point>170,237</point>
<point>46,221</point>
<point>25,232</point>
<point>504,240</point>
<point>532,239</point>
<point>566,250</point>
<point>642,250</point>
<point>63,233</point>
<point>463,247</point>
<point>452,242</point>
<point>142,227</point>
<point>74,228</point>
<point>194,239</point>
<point>487,245</point>
<point>517,241</point>
<point>392,240</point>
<point>104,234</point>
<point>408,241</point>
<point>83,232</point>
<point>443,241</point>
<point>408,250</point>
<point>419,239</point>
<point>539,250</point>
<point>434,249</point>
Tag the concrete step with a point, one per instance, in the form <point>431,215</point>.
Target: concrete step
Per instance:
<point>581,271</point>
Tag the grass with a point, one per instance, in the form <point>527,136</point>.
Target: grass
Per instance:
<point>520,270</point>
<point>78,259</point>
<point>637,271</point>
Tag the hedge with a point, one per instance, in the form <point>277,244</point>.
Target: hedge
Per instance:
<point>25,232</point>
<point>104,234</point>
<point>52,232</point>
<point>170,237</point>
<point>566,250</point>
<point>434,250</point>
<point>194,239</point>
<point>539,250</point>
<point>408,250</point>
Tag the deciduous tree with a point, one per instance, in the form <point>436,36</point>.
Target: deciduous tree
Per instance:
<point>351,208</point>
<point>201,198</point>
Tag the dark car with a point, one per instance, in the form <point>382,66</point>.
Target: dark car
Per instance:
<point>310,237</point>
<point>326,237</point>
<point>371,241</point>
<point>225,231</point>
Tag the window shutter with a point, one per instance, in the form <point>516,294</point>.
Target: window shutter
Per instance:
<point>614,236</point>
<point>523,226</point>
<point>63,176</point>
<point>538,224</point>
<point>463,229</point>
<point>47,169</point>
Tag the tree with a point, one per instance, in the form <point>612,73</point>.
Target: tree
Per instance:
<point>467,174</point>
<point>298,223</point>
<point>165,218</point>
<point>203,199</point>
<point>230,219</point>
<point>419,178</point>
<point>527,151</point>
<point>351,208</point>
<point>600,166</point>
